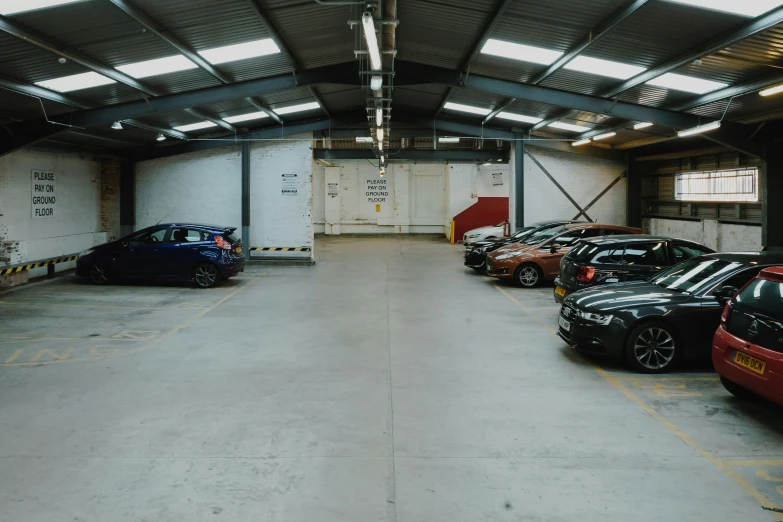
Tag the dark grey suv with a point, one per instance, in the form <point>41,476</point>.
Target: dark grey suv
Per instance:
<point>616,259</point>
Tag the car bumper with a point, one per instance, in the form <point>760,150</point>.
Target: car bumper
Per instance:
<point>475,260</point>
<point>232,267</point>
<point>501,269</point>
<point>769,384</point>
<point>591,337</point>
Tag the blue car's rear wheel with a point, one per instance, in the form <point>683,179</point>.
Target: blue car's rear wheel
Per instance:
<point>206,275</point>
<point>99,274</point>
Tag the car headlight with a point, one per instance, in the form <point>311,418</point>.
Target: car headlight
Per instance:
<point>87,252</point>
<point>509,255</point>
<point>602,319</point>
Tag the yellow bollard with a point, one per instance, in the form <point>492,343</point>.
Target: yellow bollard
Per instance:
<point>451,236</point>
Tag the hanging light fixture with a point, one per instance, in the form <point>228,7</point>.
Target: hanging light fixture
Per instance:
<point>379,116</point>
<point>379,133</point>
<point>116,125</point>
<point>372,42</point>
<point>161,137</point>
<point>376,82</point>
<point>382,171</point>
<point>380,145</point>
<point>382,159</point>
<point>698,130</point>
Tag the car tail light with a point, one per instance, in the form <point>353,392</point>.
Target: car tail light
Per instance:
<point>724,318</point>
<point>585,274</point>
<point>222,243</point>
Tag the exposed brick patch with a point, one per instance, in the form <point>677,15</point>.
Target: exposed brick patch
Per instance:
<point>110,198</point>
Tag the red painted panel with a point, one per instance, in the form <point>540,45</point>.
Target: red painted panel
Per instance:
<point>485,212</point>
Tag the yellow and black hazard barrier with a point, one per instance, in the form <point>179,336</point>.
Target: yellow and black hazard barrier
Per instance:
<point>283,249</point>
<point>38,264</point>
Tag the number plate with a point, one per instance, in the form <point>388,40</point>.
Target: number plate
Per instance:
<point>239,250</point>
<point>565,325</point>
<point>560,291</point>
<point>751,363</point>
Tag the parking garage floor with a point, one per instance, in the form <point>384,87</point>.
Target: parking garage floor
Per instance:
<point>385,383</point>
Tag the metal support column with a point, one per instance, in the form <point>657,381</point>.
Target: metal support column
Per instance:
<point>246,198</point>
<point>519,183</point>
<point>770,193</point>
<point>633,202</point>
<point>127,198</point>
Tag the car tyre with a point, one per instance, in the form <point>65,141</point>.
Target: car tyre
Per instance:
<point>653,347</point>
<point>99,273</point>
<point>736,390</point>
<point>528,275</point>
<point>206,275</point>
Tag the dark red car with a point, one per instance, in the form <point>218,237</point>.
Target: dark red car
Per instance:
<point>747,349</point>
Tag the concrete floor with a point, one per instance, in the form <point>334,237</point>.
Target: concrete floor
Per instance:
<point>385,383</point>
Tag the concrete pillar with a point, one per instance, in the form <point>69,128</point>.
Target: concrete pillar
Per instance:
<point>633,203</point>
<point>246,198</point>
<point>770,193</point>
<point>516,192</point>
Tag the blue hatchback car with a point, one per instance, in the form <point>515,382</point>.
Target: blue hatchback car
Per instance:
<point>199,253</point>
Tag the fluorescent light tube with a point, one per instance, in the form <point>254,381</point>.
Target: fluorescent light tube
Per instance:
<point>517,117</point>
<point>245,117</point>
<point>466,108</point>
<point>698,130</point>
<point>379,116</point>
<point>363,139</point>
<point>448,140</point>
<point>380,145</point>
<point>196,126</point>
<point>642,125</point>
<point>297,108</point>
<point>569,127</point>
<point>680,82</point>
<point>604,136</point>
<point>618,70</point>
<point>242,51</point>
<point>382,158</point>
<point>772,90</point>
<point>743,8</point>
<point>76,82</point>
<point>376,82</point>
<point>379,133</point>
<point>372,42</point>
<point>581,142</point>
<point>158,66</point>
<point>524,53</point>
<point>9,7</point>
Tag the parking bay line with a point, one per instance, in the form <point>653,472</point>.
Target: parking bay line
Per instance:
<point>41,304</point>
<point>168,334</point>
<point>713,459</point>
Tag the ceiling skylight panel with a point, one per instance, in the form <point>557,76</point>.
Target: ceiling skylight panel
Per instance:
<point>739,7</point>
<point>9,7</point>
<point>243,51</point>
<point>517,117</point>
<point>466,108</point>
<point>608,68</point>
<point>75,82</point>
<point>297,108</point>
<point>524,53</point>
<point>246,117</point>
<point>680,82</point>
<point>157,66</point>
<point>195,126</point>
<point>569,127</point>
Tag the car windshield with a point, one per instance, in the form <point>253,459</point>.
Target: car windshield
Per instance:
<point>695,274</point>
<point>542,236</point>
<point>522,233</point>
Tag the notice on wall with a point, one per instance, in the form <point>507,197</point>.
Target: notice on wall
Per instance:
<point>44,194</point>
<point>331,189</point>
<point>376,190</point>
<point>497,179</point>
<point>290,184</point>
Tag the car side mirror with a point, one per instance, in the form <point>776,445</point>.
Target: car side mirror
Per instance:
<point>726,292</point>
<point>554,248</point>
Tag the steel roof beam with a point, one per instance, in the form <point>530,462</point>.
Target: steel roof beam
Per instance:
<point>714,45</point>
<point>41,41</point>
<point>500,109</point>
<point>190,53</point>
<point>414,155</point>
<point>595,35</point>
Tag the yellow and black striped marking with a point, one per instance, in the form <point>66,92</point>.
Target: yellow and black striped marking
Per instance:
<point>283,249</point>
<point>30,266</point>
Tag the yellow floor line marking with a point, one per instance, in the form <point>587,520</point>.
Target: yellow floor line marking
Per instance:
<point>656,378</point>
<point>749,463</point>
<point>165,335</point>
<point>91,339</point>
<point>687,439</point>
<point>47,305</point>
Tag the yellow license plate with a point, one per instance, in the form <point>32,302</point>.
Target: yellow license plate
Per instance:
<point>560,290</point>
<point>239,250</point>
<point>751,363</point>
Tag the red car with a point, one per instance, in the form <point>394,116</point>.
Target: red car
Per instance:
<point>747,349</point>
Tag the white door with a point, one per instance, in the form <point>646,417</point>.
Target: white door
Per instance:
<point>428,193</point>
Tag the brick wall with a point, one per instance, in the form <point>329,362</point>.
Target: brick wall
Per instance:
<point>110,198</point>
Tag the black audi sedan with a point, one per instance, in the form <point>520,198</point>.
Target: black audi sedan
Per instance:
<point>476,253</point>
<point>617,259</point>
<point>654,324</point>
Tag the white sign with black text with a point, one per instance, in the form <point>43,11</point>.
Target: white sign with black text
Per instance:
<point>290,184</point>
<point>376,190</point>
<point>497,179</point>
<point>44,194</point>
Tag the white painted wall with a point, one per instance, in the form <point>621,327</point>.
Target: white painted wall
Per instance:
<point>423,198</point>
<point>206,187</point>
<point>721,237</point>
<point>583,177</point>
<point>77,224</point>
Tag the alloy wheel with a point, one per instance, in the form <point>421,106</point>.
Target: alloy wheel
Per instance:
<point>528,276</point>
<point>98,274</point>
<point>654,348</point>
<point>205,275</point>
